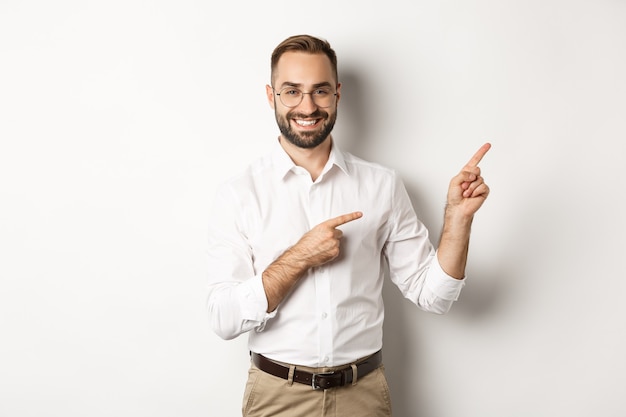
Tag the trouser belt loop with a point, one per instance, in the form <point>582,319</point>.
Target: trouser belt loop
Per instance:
<point>292,370</point>
<point>355,373</point>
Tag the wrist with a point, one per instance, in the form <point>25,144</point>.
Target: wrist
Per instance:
<point>455,216</point>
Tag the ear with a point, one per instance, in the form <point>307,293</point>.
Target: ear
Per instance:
<point>270,95</point>
<point>338,92</point>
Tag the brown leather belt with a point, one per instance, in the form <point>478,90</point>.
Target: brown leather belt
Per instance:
<point>323,380</point>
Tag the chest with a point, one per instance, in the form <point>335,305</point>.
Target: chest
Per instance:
<point>277,218</point>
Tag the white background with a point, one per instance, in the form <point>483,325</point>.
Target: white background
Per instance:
<point>118,119</point>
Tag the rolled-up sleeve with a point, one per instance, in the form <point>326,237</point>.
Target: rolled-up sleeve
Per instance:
<point>236,308</point>
<point>412,259</point>
<point>236,300</point>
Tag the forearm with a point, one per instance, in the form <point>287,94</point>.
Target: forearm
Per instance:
<point>454,243</point>
<point>281,275</point>
<point>466,194</point>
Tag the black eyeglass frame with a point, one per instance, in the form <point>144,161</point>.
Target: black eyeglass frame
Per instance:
<point>311,93</point>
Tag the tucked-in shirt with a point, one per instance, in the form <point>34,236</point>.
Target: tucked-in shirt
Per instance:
<point>334,314</point>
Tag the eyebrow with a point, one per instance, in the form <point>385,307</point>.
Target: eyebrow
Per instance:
<point>299,85</point>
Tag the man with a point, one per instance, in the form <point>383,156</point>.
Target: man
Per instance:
<point>296,250</point>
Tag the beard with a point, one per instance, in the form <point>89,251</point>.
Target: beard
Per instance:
<point>306,140</point>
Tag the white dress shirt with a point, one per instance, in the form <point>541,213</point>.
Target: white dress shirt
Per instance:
<point>334,314</point>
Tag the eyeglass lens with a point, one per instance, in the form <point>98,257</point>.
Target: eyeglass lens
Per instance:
<point>291,97</point>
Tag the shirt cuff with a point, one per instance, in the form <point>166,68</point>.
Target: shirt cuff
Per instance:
<point>253,301</point>
<point>442,284</point>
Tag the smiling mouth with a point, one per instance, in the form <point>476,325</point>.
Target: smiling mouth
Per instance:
<point>306,123</point>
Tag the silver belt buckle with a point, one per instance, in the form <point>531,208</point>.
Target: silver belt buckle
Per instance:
<point>313,380</point>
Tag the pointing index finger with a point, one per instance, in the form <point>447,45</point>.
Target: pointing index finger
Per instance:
<point>343,219</point>
<point>479,155</point>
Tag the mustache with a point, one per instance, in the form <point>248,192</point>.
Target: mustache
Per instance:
<point>317,114</point>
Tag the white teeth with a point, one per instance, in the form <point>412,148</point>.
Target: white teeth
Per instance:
<point>306,122</point>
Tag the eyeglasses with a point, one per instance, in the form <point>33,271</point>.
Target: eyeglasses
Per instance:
<point>291,97</point>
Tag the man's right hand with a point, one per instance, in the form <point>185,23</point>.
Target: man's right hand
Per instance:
<point>322,243</point>
<point>316,247</point>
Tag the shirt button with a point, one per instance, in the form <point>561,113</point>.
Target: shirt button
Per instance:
<point>325,358</point>
<point>324,315</point>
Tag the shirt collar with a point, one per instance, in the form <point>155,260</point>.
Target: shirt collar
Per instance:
<point>283,163</point>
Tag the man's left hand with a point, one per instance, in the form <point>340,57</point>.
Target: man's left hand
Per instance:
<point>468,191</point>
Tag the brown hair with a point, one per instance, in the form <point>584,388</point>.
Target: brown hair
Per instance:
<point>304,43</point>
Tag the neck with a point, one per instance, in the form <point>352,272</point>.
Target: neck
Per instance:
<point>313,160</point>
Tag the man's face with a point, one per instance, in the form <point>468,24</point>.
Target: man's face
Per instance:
<point>306,125</point>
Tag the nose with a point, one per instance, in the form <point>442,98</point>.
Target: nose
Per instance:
<point>307,103</point>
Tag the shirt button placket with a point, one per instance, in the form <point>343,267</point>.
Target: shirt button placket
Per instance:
<point>322,281</point>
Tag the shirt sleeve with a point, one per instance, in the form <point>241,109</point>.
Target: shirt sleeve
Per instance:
<point>236,300</point>
<point>412,259</point>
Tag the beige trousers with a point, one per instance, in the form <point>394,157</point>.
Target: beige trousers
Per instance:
<point>269,396</point>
